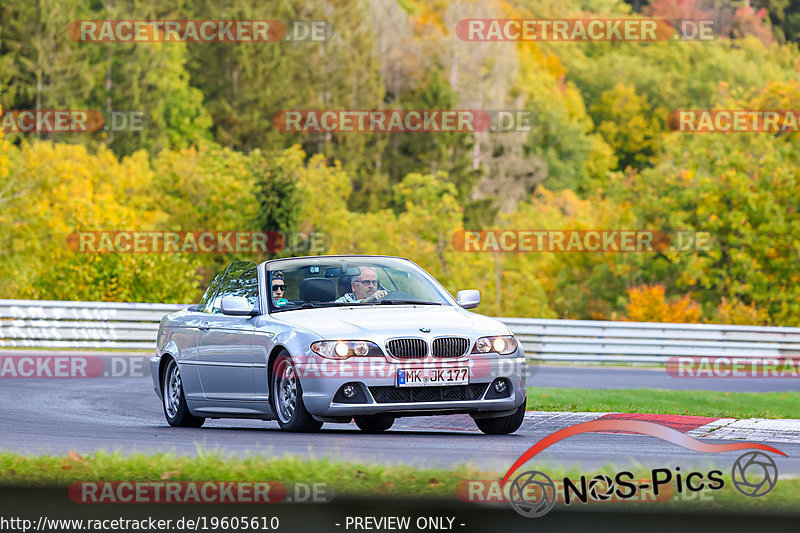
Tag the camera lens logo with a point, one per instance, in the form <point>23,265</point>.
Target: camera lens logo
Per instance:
<point>605,489</point>
<point>754,474</point>
<point>532,494</point>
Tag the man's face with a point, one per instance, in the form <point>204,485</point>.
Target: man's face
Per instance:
<point>365,284</point>
<point>278,288</point>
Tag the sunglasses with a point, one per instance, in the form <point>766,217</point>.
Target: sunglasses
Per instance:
<point>279,287</point>
<point>368,282</point>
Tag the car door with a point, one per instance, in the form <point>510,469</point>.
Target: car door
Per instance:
<point>187,338</point>
<point>225,343</point>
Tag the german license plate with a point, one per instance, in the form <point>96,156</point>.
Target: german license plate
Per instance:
<point>429,377</point>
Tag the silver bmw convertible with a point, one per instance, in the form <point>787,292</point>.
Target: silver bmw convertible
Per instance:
<point>310,340</point>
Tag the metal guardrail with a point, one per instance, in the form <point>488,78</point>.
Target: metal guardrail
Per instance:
<point>63,324</point>
<point>648,342</point>
<point>93,325</point>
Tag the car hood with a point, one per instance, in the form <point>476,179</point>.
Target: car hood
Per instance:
<point>382,322</point>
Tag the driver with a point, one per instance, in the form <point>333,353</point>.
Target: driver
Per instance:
<point>365,288</point>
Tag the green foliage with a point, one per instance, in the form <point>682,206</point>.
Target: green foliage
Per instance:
<point>621,118</point>
<point>111,277</point>
<point>598,154</point>
<point>174,114</point>
<point>44,69</point>
<point>448,152</point>
<point>279,198</point>
<point>674,75</point>
<point>60,189</point>
<point>206,188</point>
<point>561,133</point>
<point>743,190</point>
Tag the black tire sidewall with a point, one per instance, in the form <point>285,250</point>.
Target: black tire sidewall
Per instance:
<point>274,386</point>
<point>183,417</point>
<point>173,421</point>
<point>302,420</point>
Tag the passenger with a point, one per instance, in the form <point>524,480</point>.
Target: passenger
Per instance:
<point>365,288</point>
<point>278,289</point>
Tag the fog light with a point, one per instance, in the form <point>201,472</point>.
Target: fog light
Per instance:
<point>349,391</point>
<point>499,386</point>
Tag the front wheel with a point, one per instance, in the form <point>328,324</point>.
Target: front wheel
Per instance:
<point>287,398</point>
<point>502,425</point>
<point>175,408</point>
<point>374,423</point>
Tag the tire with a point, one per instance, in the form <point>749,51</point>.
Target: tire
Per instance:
<point>173,400</point>
<point>287,398</point>
<point>374,423</point>
<point>502,425</point>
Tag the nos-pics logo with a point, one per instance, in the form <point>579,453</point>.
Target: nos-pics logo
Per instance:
<point>533,493</point>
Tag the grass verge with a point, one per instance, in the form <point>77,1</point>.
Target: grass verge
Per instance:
<point>346,478</point>
<point>353,479</point>
<point>672,402</point>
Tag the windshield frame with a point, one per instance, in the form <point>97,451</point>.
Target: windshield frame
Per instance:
<point>286,263</point>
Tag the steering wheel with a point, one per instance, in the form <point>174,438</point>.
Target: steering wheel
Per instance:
<point>397,295</point>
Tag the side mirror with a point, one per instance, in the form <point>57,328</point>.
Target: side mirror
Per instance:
<point>468,299</point>
<point>236,306</point>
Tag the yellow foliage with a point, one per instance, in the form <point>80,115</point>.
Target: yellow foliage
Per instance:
<point>737,312</point>
<point>648,304</point>
<point>60,189</point>
<point>324,191</point>
<point>5,163</point>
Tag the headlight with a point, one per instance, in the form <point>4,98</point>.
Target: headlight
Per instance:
<point>502,344</point>
<point>345,349</point>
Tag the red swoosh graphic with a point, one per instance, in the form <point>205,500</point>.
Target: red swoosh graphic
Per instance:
<point>634,426</point>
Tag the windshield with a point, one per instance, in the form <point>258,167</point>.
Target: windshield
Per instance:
<point>306,283</point>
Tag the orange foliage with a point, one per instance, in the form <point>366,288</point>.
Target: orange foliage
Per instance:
<point>648,304</point>
<point>737,312</point>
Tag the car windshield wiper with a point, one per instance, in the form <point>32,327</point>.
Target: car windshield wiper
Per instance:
<point>305,305</point>
<point>317,305</point>
<point>414,302</point>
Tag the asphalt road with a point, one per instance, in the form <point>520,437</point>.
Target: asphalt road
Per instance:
<point>86,415</point>
<point>656,378</point>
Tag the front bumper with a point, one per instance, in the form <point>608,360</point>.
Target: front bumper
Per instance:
<point>377,379</point>
<point>155,362</point>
